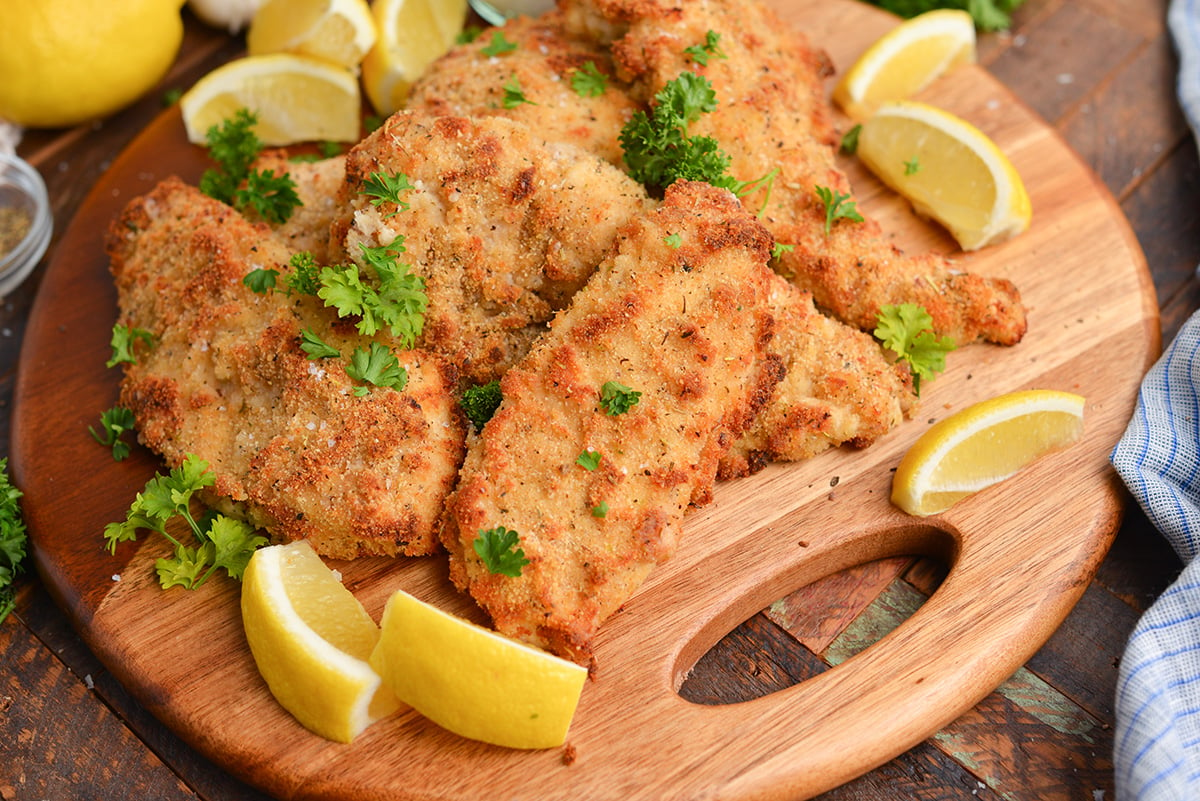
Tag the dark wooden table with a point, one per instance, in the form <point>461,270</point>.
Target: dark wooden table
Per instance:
<point>1102,73</point>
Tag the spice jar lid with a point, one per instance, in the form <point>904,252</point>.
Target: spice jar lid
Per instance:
<point>25,221</point>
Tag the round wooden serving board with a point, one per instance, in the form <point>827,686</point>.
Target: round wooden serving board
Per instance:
<point>1020,553</point>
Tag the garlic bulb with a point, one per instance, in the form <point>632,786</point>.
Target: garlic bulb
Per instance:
<point>233,15</point>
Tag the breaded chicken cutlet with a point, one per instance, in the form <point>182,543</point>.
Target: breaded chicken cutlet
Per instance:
<point>317,186</point>
<point>293,448</point>
<point>504,227</point>
<point>678,313</point>
<point>772,114</point>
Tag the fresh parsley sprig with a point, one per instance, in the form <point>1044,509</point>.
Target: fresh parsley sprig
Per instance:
<point>14,541</point>
<point>514,95</point>
<point>234,146</point>
<point>384,188</point>
<point>396,300</point>
<point>221,542</point>
<point>589,81</point>
<point>123,341</point>
<point>711,48</point>
<point>498,548</point>
<point>114,423</point>
<point>907,330</point>
<point>838,206</point>
<point>378,366</point>
<point>498,46</point>
<point>616,398</point>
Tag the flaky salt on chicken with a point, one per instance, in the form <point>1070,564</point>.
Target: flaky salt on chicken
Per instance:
<point>678,313</point>
<point>293,448</point>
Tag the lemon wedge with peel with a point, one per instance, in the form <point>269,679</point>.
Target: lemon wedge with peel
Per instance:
<point>473,681</point>
<point>338,31</point>
<point>412,34</point>
<point>982,445</point>
<point>296,98</point>
<point>905,60</point>
<point>948,169</point>
<point>311,640</point>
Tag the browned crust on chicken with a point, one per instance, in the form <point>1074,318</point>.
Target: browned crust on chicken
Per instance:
<point>688,327</point>
<point>292,448</point>
<point>504,227</point>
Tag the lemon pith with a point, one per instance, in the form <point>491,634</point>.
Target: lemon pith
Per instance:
<point>982,445</point>
<point>474,681</point>
<point>311,639</point>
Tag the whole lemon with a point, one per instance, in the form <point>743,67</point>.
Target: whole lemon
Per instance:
<point>63,62</point>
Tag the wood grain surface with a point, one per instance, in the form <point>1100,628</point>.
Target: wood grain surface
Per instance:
<point>1017,557</point>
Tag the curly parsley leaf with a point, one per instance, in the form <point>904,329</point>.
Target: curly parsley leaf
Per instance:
<point>124,340</point>
<point>304,276</point>
<point>701,53</point>
<point>376,365</point>
<point>219,542</point>
<point>383,188</point>
<point>234,146</point>
<point>114,423</point>
<point>497,547</point>
<point>838,206</point>
<point>907,330</point>
<point>779,248</point>
<point>989,15</point>
<point>616,398</point>
<point>480,402</point>
<point>14,542</point>
<point>589,81</point>
<point>657,148</point>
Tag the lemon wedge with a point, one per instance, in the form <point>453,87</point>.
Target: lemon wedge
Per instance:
<point>412,34</point>
<point>948,169</point>
<point>474,681</point>
<point>982,445</point>
<point>296,98</point>
<point>905,60</point>
<point>311,639</point>
<point>338,31</point>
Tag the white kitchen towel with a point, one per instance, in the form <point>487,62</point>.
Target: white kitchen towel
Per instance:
<point>1156,748</point>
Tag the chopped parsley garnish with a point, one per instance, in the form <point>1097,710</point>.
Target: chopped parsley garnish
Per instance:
<point>315,347</point>
<point>468,34</point>
<point>305,275</point>
<point>514,95</point>
<point>113,424</point>
<point>616,398</point>
<point>673,240</point>
<point>849,144</point>
<point>588,460</point>
<point>260,280</point>
<point>220,542</point>
<point>600,510</point>
<point>779,248</point>
<point>701,53</point>
<point>124,339</point>
<point>589,81</point>
<point>907,330</point>
<point>989,15</point>
<point>234,146</point>
<point>480,402</point>
<point>378,366</point>
<point>396,300</point>
<point>13,541</point>
<point>499,45</point>
<point>497,547</point>
<point>383,188</point>
<point>912,166</point>
<point>838,206</point>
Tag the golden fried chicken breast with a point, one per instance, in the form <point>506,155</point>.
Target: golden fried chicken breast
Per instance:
<point>771,115</point>
<point>504,227</point>
<point>840,388</point>
<point>293,448</point>
<point>543,66</point>
<point>677,313</point>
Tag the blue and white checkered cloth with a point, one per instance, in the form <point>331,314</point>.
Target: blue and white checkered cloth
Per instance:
<point>1156,750</point>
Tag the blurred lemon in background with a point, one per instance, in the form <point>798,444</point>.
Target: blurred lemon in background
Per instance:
<point>63,62</point>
